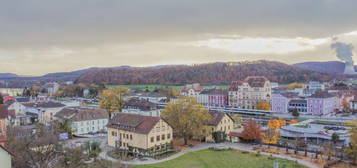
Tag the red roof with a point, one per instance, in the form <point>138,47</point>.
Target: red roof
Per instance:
<point>9,98</point>
<point>133,122</point>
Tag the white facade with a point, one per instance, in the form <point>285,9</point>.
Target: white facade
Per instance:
<point>89,126</point>
<point>248,93</point>
<point>203,99</point>
<point>316,85</point>
<point>154,113</point>
<point>12,91</point>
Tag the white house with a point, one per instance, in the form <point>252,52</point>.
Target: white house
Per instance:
<point>52,87</point>
<point>20,112</point>
<point>5,157</point>
<point>44,110</point>
<point>192,90</point>
<point>84,120</point>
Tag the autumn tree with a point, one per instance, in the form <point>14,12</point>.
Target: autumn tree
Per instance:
<point>112,99</point>
<point>293,121</point>
<point>270,136</point>
<point>275,124</point>
<point>351,150</point>
<point>237,118</point>
<point>263,105</point>
<point>345,105</point>
<point>295,85</point>
<point>251,131</point>
<point>187,117</point>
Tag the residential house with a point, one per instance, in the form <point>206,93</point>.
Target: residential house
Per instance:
<point>154,97</point>
<point>44,110</point>
<point>141,107</point>
<point>11,91</point>
<point>84,120</point>
<point>21,118</point>
<point>220,122</point>
<point>314,85</point>
<point>248,93</point>
<point>139,134</point>
<point>5,157</point>
<point>192,90</point>
<point>51,87</point>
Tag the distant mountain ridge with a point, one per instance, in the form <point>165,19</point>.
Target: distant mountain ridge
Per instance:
<point>210,73</point>
<point>7,75</point>
<point>332,67</point>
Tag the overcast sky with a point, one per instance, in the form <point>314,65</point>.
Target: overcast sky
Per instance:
<point>41,36</point>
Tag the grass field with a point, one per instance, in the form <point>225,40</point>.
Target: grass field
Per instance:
<point>222,159</point>
<point>152,87</point>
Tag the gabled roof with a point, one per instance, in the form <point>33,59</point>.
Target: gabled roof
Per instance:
<point>141,104</point>
<point>133,122</point>
<point>322,95</point>
<point>196,87</point>
<point>217,117</point>
<point>290,95</point>
<point>214,92</point>
<point>256,81</point>
<point>5,112</point>
<point>82,114</point>
<point>252,81</point>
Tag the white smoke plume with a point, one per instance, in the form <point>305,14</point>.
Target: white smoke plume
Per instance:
<point>343,51</point>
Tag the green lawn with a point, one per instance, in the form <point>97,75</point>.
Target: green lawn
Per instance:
<point>222,159</point>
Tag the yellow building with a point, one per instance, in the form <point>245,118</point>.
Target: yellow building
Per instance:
<point>140,135</point>
<point>220,122</point>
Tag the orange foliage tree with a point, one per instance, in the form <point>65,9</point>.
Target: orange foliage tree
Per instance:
<point>293,122</point>
<point>270,137</point>
<point>251,131</point>
<point>263,105</point>
<point>275,124</point>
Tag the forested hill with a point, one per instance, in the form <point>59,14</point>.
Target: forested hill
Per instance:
<point>212,73</point>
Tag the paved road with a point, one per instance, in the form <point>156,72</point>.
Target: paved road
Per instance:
<point>238,146</point>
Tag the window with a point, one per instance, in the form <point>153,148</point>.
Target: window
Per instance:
<point>158,138</point>
<point>131,137</point>
<point>152,139</point>
<point>163,137</point>
<point>127,136</point>
<point>168,136</point>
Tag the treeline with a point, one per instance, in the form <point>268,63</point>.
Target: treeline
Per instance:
<point>212,73</point>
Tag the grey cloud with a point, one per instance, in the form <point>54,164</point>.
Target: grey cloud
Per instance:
<point>81,22</point>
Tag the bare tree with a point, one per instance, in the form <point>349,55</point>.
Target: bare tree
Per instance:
<point>39,150</point>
